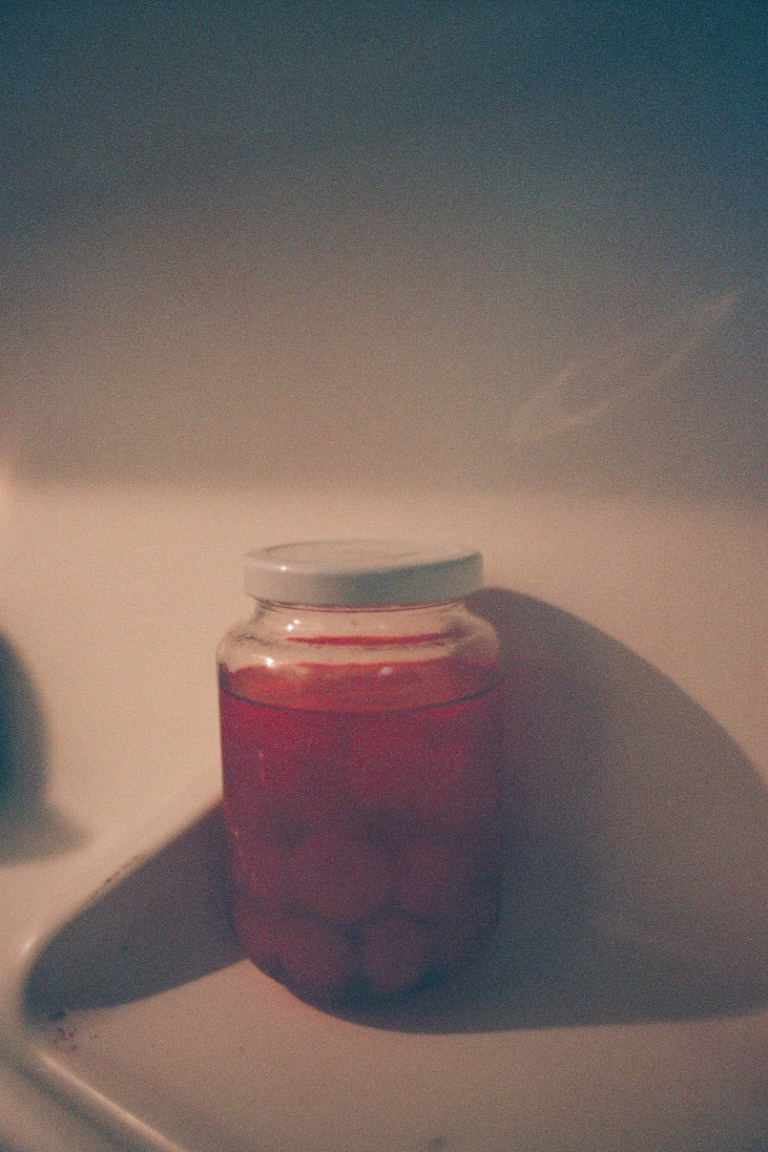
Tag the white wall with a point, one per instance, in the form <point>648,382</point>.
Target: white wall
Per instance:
<point>486,246</point>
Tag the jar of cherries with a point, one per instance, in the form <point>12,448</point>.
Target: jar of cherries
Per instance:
<point>361,729</point>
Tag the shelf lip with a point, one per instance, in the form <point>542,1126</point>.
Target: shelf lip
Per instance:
<point>33,1119</point>
<point>26,1067</point>
<point>97,1113</point>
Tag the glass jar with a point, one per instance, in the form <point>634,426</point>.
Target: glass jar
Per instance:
<point>361,727</point>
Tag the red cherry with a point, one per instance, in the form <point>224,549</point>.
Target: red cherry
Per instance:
<point>455,940</point>
<point>440,764</point>
<point>260,871</point>
<point>384,765</point>
<point>395,953</point>
<point>434,878</point>
<point>316,958</point>
<point>280,763</point>
<point>313,958</point>
<point>258,934</point>
<point>338,878</point>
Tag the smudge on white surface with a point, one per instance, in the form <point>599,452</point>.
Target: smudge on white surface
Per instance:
<point>586,389</point>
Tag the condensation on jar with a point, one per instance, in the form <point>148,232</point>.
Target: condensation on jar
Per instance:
<point>361,729</point>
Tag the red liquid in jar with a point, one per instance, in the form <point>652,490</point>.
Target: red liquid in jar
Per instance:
<point>364,834</point>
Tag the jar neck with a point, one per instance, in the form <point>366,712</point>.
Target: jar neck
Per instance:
<point>339,624</point>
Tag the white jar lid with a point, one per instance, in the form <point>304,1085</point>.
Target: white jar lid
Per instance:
<point>356,573</point>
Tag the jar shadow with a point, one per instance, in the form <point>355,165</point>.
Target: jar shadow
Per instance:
<point>30,827</point>
<point>633,890</point>
<point>636,888</point>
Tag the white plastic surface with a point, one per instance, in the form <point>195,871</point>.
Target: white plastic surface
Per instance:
<point>624,1007</point>
<point>356,573</point>
<point>485,272</point>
